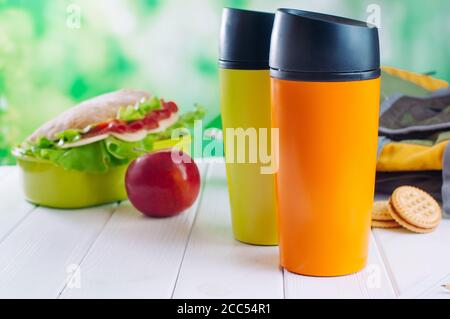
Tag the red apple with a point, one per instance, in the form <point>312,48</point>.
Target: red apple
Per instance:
<point>158,186</point>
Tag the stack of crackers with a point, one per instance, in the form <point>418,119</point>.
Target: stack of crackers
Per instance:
<point>410,208</point>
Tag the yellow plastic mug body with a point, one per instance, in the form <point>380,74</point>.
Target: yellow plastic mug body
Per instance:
<point>325,184</point>
<point>245,104</point>
<point>49,185</point>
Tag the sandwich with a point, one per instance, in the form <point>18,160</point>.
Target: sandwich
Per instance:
<point>79,159</point>
<point>109,130</point>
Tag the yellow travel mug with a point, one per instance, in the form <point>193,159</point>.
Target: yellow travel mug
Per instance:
<point>245,106</point>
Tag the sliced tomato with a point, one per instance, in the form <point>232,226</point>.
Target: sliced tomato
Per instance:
<point>135,126</point>
<point>117,126</point>
<point>171,106</point>
<point>159,115</point>
<point>150,123</point>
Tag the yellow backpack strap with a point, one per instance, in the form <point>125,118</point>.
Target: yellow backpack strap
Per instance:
<point>427,82</point>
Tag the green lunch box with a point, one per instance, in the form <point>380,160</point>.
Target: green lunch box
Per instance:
<point>48,185</point>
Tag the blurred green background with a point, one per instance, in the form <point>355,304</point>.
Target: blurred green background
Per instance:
<point>56,53</point>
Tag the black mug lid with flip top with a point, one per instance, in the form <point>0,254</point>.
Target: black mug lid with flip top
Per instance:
<point>309,46</point>
<point>245,39</point>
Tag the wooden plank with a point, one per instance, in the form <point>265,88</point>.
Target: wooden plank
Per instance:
<point>5,171</point>
<point>217,266</point>
<point>41,254</point>
<point>135,257</point>
<point>371,283</point>
<point>13,207</point>
<point>430,288</point>
<point>435,289</point>
<point>417,261</point>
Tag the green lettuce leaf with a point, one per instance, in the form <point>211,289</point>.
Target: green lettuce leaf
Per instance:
<point>128,150</point>
<point>92,158</point>
<point>69,136</point>
<point>44,142</point>
<point>150,105</point>
<point>139,111</point>
<point>129,114</point>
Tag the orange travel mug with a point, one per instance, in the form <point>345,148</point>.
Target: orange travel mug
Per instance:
<point>325,102</point>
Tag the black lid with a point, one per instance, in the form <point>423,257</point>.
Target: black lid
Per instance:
<point>245,39</point>
<point>319,47</point>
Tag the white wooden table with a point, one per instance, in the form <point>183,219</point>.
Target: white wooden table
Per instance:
<point>114,252</point>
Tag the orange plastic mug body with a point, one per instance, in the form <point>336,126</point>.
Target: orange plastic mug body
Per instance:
<point>327,162</point>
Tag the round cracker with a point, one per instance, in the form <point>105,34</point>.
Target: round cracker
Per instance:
<point>385,224</point>
<point>416,207</point>
<point>408,226</point>
<point>381,211</point>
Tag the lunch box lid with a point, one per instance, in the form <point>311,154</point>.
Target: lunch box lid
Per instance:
<point>245,39</point>
<point>310,46</point>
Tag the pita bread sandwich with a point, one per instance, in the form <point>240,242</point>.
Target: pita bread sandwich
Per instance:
<point>79,159</point>
<point>108,130</point>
